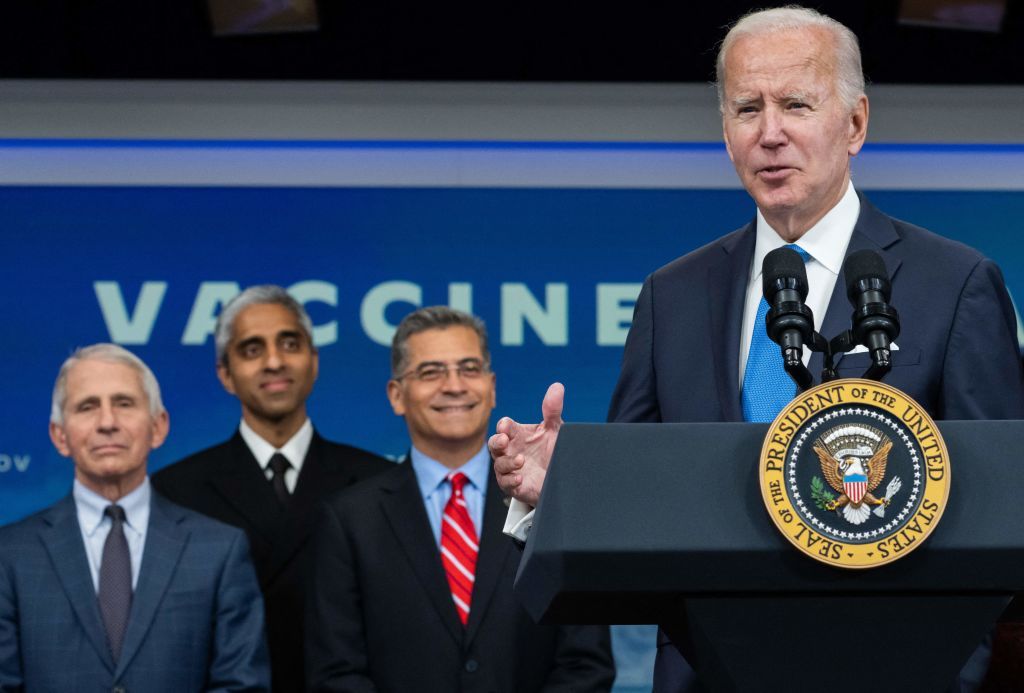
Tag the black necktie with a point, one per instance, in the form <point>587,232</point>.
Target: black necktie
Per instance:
<point>115,580</point>
<point>279,464</point>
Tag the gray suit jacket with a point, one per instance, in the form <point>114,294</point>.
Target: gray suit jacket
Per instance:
<point>196,622</point>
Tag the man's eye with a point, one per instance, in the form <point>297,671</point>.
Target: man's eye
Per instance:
<point>290,344</point>
<point>797,104</point>
<point>431,373</point>
<point>471,369</point>
<point>251,351</point>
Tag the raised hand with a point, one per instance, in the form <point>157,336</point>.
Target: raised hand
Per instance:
<point>522,452</point>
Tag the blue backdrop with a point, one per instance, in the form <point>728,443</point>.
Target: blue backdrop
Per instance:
<point>149,267</point>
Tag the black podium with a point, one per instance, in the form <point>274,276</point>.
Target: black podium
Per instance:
<point>664,523</point>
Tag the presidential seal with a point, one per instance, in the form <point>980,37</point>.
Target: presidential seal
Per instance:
<point>854,473</point>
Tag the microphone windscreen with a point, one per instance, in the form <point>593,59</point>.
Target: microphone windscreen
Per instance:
<point>865,264</point>
<point>783,264</point>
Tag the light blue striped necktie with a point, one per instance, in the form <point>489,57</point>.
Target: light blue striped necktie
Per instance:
<point>767,388</point>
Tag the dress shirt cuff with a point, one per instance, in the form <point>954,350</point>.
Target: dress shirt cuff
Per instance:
<point>519,520</point>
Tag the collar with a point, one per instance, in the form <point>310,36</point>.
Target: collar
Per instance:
<point>430,474</point>
<point>295,449</point>
<point>90,506</point>
<point>825,242</point>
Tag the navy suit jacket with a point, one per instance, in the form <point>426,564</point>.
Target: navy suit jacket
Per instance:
<point>196,621</point>
<point>381,617</point>
<point>958,355</point>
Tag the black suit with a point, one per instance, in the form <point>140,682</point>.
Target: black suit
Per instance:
<point>225,482</point>
<point>381,615</point>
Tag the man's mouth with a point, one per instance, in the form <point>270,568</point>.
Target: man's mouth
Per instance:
<point>109,449</point>
<point>454,408</point>
<point>277,385</point>
<point>774,172</point>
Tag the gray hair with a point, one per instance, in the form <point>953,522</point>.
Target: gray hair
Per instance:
<point>257,295</point>
<point>111,353</point>
<point>432,318</point>
<point>849,73</point>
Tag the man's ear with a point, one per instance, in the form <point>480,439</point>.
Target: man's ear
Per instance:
<point>397,397</point>
<point>858,126</point>
<point>161,427</point>
<point>224,375</point>
<point>59,439</point>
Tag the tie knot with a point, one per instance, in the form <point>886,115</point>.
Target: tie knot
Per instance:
<point>804,255</point>
<point>115,513</point>
<point>457,480</point>
<point>279,464</point>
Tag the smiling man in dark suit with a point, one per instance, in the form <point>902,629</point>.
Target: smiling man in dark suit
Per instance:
<point>412,585</point>
<point>114,588</point>
<point>268,478</point>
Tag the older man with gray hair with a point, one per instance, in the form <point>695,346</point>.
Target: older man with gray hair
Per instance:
<point>794,114</point>
<point>116,588</point>
<point>269,476</point>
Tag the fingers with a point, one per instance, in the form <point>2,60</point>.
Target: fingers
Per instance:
<point>551,407</point>
<point>507,426</point>
<point>497,444</point>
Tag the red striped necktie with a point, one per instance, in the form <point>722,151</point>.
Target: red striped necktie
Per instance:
<point>459,547</point>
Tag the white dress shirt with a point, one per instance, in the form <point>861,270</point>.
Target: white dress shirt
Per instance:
<point>95,526</point>
<point>294,450</point>
<point>826,243</point>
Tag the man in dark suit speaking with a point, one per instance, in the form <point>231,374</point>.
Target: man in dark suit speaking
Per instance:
<point>115,588</point>
<point>794,113</point>
<point>412,588</point>
<point>269,476</point>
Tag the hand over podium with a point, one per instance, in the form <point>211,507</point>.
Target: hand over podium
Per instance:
<point>664,523</point>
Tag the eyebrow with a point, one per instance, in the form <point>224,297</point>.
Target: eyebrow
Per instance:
<point>249,340</point>
<point>468,359</point>
<point>95,399</point>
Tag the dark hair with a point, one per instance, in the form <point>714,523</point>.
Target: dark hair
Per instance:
<point>432,318</point>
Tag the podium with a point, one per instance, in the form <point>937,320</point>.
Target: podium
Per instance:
<point>664,523</point>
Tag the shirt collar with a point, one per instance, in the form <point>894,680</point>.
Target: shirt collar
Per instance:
<point>295,449</point>
<point>825,242</point>
<point>430,474</point>
<point>90,506</point>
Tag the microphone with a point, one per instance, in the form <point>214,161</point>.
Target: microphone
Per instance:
<point>876,324</point>
<point>789,322</point>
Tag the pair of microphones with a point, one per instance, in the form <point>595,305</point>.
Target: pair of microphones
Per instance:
<point>875,324</point>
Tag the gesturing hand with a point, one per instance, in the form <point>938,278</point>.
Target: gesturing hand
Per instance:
<point>522,452</point>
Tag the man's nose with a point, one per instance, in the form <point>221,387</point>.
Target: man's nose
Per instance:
<point>773,128</point>
<point>108,418</point>
<point>273,359</point>
<point>453,381</point>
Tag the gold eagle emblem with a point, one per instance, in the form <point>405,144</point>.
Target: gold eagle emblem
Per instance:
<point>853,461</point>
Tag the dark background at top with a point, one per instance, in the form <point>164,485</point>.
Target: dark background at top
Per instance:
<point>496,40</point>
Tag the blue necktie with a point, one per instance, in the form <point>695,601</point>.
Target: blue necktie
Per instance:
<point>767,388</point>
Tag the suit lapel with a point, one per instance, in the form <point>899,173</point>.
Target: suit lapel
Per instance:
<point>165,541</point>
<point>243,486</point>
<point>873,231</point>
<point>403,508</point>
<point>495,549</point>
<point>727,279</point>
<point>63,541</point>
